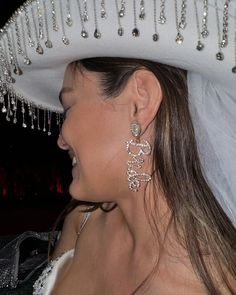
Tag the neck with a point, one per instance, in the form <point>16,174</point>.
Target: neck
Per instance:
<point>132,219</point>
<point>130,231</point>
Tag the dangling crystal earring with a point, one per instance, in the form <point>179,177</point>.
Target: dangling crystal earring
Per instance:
<point>137,149</point>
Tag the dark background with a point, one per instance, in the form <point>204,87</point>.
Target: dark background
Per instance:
<point>34,172</point>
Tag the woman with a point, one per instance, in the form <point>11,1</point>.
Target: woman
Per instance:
<point>160,220</point>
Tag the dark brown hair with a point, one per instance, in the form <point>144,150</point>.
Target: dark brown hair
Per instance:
<point>202,226</point>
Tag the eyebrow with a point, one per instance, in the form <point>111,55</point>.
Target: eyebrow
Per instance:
<point>61,93</point>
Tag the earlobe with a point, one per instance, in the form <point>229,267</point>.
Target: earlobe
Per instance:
<point>147,97</point>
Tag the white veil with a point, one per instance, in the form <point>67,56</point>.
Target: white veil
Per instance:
<point>213,111</point>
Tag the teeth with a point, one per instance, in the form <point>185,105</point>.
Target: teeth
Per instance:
<point>74,162</point>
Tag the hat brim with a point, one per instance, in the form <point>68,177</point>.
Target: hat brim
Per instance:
<point>41,81</point>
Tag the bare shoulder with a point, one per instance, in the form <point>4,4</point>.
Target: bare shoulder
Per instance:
<point>69,233</point>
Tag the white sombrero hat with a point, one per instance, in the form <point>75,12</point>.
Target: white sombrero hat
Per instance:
<point>62,24</point>
<point>44,36</point>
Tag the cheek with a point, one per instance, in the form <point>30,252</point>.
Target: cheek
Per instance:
<point>105,153</point>
<point>107,134</point>
<point>98,137</point>
<point>76,126</point>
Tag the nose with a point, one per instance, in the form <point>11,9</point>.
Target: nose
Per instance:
<point>61,143</point>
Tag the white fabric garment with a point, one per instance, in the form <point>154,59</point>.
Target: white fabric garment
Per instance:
<point>46,281</point>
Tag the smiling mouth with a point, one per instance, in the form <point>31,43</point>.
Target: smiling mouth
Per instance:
<point>74,162</point>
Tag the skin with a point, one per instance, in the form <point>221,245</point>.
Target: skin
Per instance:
<point>115,251</point>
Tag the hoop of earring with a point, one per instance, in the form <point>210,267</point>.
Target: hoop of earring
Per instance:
<point>137,150</point>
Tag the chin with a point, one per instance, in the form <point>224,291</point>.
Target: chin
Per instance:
<point>81,195</point>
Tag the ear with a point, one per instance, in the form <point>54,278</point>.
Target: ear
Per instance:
<point>145,98</point>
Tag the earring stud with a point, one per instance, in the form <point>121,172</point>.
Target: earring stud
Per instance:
<point>135,129</point>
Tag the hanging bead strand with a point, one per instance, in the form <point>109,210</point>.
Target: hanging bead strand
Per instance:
<point>183,22</point>
<point>224,41</point>
<point>122,9</point>
<point>39,48</point>
<point>120,30</point>
<point>17,70</point>
<point>142,13</point>
<point>85,13</point>
<point>28,29</point>
<point>200,45</point>
<point>162,18</point>
<point>155,36</point>
<point>48,42</point>
<point>135,31</point>
<point>65,39</point>
<point>234,67</point>
<point>40,21</point>
<point>69,20</point>
<point>83,33</point>
<point>103,10</point>
<point>97,34</point>
<point>205,31</point>
<point>219,54</point>
<point>179,38</point>
<point>27,60</point>
<point>54,16</point>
